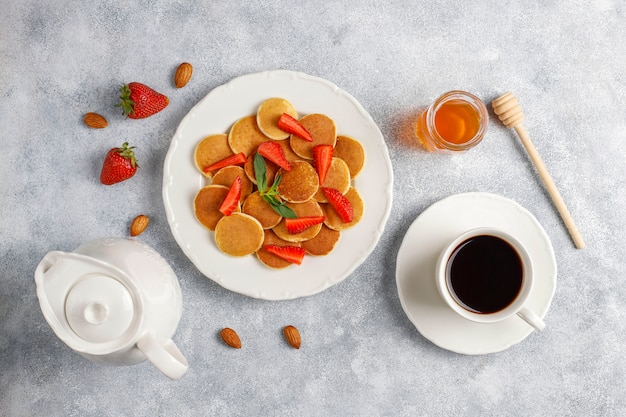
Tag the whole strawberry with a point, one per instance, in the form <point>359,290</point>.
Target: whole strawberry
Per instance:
<point>139,101</point>
<point>119,165</point>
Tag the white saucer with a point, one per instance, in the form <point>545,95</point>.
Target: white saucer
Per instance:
<point>415,271</point>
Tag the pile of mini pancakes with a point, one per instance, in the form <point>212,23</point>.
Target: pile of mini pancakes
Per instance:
<point>255,224</point>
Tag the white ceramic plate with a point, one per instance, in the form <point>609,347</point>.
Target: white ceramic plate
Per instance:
<point>215,114</point>
<point>417,258</point>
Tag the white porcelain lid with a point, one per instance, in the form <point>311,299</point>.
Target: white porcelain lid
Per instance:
<point>99,308</point>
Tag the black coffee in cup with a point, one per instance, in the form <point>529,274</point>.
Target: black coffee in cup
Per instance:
<point>484,274</point>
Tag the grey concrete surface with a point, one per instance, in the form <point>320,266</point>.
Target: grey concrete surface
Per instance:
<point>360,354</point>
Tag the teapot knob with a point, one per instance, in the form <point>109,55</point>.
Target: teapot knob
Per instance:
<point>96,313</point>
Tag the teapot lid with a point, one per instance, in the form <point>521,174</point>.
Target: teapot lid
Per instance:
<point>99,308</point>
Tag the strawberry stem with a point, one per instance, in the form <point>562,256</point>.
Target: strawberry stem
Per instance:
<point>128,153</point>
<point>127,105</point>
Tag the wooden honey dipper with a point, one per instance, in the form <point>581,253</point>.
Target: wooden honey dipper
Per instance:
<point>510,113</point>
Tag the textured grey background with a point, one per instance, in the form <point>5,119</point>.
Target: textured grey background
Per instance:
<point>360,356</point>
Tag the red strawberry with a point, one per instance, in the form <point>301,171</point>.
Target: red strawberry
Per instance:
<point>291,125</point>
<point>322,157</point>
<point>231,201</point>
<point>340,203</point>
<point>119,165</point>
<point>236,159</point>
<point>293,254</point>
<point>300,224</point>
<point>274,153</point>
<point>139,101</point>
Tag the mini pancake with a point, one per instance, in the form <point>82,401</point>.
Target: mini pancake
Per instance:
<point>238,234</point>
<point>351,151</point>
<point>269,259</point>
<point>299,184</point>
<point>258,208</point>
<point>309,208</point>
<point>245,136</point>
<point>323,243</point>
<point>268,114</point>
<point>207,203</point>
<point>227,175</point>
<point>270,170</point>
<point>333,220</point>
<point>338,177</point>
<point>290,155</point>
<point>323,130</point>
<point>210,150</point>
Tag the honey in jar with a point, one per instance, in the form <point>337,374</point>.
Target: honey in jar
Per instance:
<point>456,121</point>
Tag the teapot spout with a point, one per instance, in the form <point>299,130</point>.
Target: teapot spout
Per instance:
<point>46,263</point>
<point>51,290</point>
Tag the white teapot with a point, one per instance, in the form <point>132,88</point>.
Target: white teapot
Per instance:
<point>114,301</point>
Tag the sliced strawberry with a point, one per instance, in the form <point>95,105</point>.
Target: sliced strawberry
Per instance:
<point>300,224</point>
<point>322,157</point>
<point>340,203</point>
<point>237,159</point>
<point>231,201</point>
<point>274,153</point>
<point>293,254</point>
<point>291,125</point>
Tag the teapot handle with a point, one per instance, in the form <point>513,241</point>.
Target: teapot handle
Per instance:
<point>166,357</point>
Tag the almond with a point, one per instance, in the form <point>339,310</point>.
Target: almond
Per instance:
<point>231,338</point>
<point>183,74</point>
<point>139,224</point>
<point>292,335</point>
<point>95,121</point>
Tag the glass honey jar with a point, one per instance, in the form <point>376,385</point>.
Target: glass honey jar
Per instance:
<point>455,122</point>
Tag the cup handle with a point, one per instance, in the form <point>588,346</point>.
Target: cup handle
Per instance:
<point>166,357</point>
<point>531,318</point>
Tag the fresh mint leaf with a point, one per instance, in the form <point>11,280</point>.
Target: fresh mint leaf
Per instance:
<point>271,199</point>
<point>284,211</point>
<point>274,188</point>
<point>270,195</point>
<point>260,172</point>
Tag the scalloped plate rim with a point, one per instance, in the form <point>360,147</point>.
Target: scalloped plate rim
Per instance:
<point>351,119</point>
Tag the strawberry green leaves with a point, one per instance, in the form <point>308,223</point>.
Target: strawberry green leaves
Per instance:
<point>270,195</point>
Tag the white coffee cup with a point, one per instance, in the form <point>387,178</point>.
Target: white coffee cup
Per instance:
<point>486,275</point>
